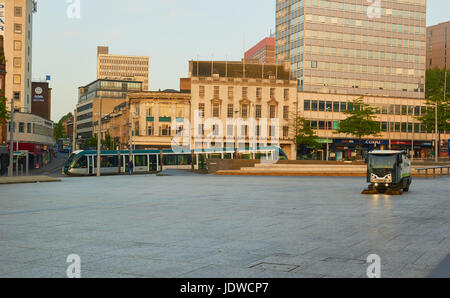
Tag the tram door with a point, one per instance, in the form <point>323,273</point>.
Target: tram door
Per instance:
<point>91,164</point>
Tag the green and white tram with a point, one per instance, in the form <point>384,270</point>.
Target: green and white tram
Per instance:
<point>84,162</point>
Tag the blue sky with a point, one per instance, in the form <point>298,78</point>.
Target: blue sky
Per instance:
<point>171,32</point>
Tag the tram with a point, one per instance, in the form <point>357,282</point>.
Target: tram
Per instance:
<point>84,162</point>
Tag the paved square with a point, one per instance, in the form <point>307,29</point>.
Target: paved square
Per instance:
<point>221,226</point>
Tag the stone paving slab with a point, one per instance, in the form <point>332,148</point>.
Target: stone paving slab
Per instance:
<point>221,226</point>
<point>27,179</point>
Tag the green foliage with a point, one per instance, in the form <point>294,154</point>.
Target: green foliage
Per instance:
<point>360,121</point>
<point>58,130</point>
<point>107,144</point>
<point>304,135</point>
<point>4,114</point>
<point>434,93</point>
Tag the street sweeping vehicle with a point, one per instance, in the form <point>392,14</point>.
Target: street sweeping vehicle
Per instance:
<point>388,172</point>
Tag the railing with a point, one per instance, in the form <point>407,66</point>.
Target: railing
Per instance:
<point>434,170</point>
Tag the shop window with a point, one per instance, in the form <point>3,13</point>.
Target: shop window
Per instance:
<point>307,105</point>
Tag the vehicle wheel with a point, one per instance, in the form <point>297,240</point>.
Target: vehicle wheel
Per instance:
<point>406,189</point>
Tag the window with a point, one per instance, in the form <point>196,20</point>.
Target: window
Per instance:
<point>286,112</point>
<point>201,91</point>
<point>272,93</point>
<point>200,129</point>
<point>321,106</point>
<point>201,108</point>
<point>17,45</point>
<point>244,130</point>
<point>285,131</point>
<point>216,91</point>
<point>81,163</point>
<point>244,92</point>
<point>136,128</point>
<point>343,106</point>
<point>258,93</point>
<point>230,92</point>
<point>230,130</point>
<point>150,129</point>
<point>17,62</point>
<point>28,127</point>
<point>272,111</point>
<point>314,106</point>
<point>286,94</point>
<point>329,106</point>
<point>16,95</point>
<point>336,107</point>
<point>17,11</point>
<point>17,79</point>
<point>313,64</point>
<point>110,161</point>
<point>140,161</point>
<point>272,131</point>
<point>164,130</point>
<point>21,127</point>
<point>307,105</point>
<point>216,110</point>
<point>244,111</point>
<point>258,111</point>
<point>230,111</point>
<point>18,28</point>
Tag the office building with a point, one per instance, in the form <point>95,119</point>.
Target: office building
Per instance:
<point>262,53</point>
<point>100,98</point>
<point>156,118</point>
<point>351,47</point>
<point>122,67</point>
<point>228,96</point>
<point>438,46</point>
<point>17,28</point>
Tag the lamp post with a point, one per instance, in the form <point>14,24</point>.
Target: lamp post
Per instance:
<point>328,145</point>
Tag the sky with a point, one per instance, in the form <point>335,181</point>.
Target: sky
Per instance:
<point>170,32</point>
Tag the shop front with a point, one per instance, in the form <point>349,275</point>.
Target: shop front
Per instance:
<point>4,160</point>
<point>343,149</point>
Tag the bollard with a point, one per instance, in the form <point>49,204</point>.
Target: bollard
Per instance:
<point>21,170</point>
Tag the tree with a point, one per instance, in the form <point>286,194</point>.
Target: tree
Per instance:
<point>304,135</point>
<point>59,131</point>
<point>4,114</point>
<point>434,93</point>
<point>360,121</point>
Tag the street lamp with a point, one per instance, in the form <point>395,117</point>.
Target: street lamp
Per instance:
<point>328,145</point>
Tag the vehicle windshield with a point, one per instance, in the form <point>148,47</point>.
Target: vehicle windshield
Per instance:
<point>69,160</point>
<point>382,161</point>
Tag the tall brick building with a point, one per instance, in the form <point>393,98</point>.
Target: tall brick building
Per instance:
<point>438,46</point>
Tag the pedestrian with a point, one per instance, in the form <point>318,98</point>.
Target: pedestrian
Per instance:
<point>130,168</point>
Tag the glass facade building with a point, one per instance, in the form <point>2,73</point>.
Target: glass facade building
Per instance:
<point>354,46</point>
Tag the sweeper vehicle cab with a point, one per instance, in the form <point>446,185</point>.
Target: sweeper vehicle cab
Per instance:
<point>388,172</point>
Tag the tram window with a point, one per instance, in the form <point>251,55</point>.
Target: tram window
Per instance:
<point>140,160</point>
<point>81,163</point>
<point>110,161</point>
